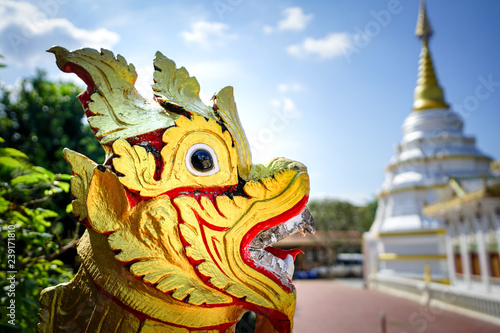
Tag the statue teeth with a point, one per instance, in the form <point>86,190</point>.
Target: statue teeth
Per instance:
<point>290,267</point>
<point>284,269</point>
<point>261,254</point>
<point>267,259</point>
<point>302,222</point>
<point>273,238</point>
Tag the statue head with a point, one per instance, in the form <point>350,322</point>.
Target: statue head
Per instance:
<point>181,224</point>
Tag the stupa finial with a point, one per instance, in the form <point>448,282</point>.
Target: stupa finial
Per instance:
<point>428,93</point>
<point>423,30</point>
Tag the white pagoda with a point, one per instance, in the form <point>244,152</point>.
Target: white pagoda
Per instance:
<point>433,160</point>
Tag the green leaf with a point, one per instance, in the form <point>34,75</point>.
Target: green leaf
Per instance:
<point>19,218</point>
<point>4,205</point>
<point>40,218</point>
<point>44,171</point>
<point>8,163</point>
<point>29,179</point>
<point>63,176</point>
<point>69,208</point>
<point>12,153</point>
<point>57,262</point>
<point>45,213</point>
<point>62,185</point>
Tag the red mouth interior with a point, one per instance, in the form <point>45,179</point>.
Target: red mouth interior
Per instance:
<point>272,222</point>
<point>280,253</point>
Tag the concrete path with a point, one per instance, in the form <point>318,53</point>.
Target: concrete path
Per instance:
<point>337,307</point>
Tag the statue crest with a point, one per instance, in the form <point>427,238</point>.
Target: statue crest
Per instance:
<point>180,223</point>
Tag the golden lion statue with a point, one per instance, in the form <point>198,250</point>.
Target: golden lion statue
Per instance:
<point>180,224</point>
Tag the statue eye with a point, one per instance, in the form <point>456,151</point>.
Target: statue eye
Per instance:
<point>201,160</point>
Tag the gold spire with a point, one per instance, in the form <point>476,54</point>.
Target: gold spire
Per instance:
<point>428,93</point>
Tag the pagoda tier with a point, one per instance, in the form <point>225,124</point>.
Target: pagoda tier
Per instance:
<point>432,154</point>
<point>433,151</point>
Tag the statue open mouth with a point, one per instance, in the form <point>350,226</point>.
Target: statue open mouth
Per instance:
<point>278,262</point>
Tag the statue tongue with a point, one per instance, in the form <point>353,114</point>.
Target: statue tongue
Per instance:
<point>282,254</point>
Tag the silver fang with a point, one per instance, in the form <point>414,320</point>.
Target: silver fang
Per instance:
<point>302,222</point>
<point>284,269</point>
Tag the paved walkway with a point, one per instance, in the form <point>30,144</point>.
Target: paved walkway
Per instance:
<point>337,307</point>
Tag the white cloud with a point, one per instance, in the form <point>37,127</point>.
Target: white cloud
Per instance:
<point>208,33</point>
<point>29,30</point>
<point>294,20</point>
<point>210,72</point>
<point>290,87</point>
<point>333,45</point>
<point>287,106</point>
<point>268,29</point>
<point>268,135</point>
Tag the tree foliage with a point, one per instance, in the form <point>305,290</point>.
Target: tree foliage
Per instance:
<point>37,120</point>
<point>330,214</point>
<point>32,235</point>
<point>42,117</point>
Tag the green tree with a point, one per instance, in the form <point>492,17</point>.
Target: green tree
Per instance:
<point>43,117</point>
<point>330,214</point>
<point>38,120</point>
<point>333,214</point>
<point>367,215</point>
<point>336,215</point>
<point>33,237</point>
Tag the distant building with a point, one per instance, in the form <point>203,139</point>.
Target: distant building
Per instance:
<point>322,248</point>
<point>438,211</point>
<point>472,236</point>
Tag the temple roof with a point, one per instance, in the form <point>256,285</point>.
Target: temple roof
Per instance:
<point>491,190</point>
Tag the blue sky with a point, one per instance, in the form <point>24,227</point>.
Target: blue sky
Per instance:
<point>328,83</point>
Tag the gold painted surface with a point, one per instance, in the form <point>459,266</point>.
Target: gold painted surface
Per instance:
<point>118,111</point>
<point>410,188</point>
<point>413,233</point>
<point>442,207</point>
<point>225,108</point>
<point>133,293</point>
<point>423,29</point>
<point>442,281</point>
<point>175,86</point>
<point>116,108</point>
<point>495,166</point>
<point>395,256</point>
<point>457,187</point>
<point>76,304</point>
<point>138,166</point>
<point>428,93</point>
<point>427,273</point>
<point>82,168</point>
<point>165,243</point>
